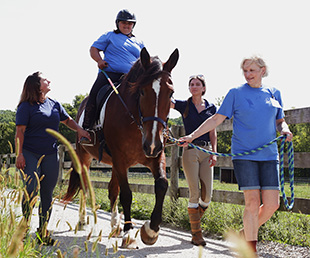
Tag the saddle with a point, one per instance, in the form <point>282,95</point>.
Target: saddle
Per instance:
<point>101,99</point>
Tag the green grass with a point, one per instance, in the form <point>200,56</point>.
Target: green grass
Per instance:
<point>14,239</point>
<point>283,227</point>
<point>301,190</point>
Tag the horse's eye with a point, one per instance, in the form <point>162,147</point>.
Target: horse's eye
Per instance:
<point>141,92</point>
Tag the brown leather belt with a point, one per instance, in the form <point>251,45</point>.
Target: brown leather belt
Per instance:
<point>199,143</point>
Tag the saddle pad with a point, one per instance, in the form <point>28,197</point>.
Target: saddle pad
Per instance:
<point>99,124</point>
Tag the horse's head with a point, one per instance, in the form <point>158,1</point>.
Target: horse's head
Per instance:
<point>155,91</point>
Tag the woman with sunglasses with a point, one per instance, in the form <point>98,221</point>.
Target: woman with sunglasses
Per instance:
<point>197,165</point>
<point>258,115</point>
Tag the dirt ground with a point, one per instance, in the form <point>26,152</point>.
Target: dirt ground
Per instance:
<point>171,243</point>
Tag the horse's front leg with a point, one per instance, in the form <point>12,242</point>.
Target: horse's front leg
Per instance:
<point>82,211</point>
<point>129,240</point>
<point>115,216</point>
<point>150,230</point>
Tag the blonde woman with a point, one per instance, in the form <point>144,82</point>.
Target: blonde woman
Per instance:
<point>258,115</point>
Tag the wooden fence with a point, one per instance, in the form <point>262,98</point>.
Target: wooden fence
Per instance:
<point>301,160</point>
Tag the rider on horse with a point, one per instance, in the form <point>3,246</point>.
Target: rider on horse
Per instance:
<point>121,49</point>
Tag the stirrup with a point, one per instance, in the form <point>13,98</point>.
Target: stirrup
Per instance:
<point>85,142</point>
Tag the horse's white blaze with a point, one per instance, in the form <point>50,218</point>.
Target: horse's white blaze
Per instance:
<point>156,88</point>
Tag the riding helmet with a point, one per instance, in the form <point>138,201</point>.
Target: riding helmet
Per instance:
<point>125,15</point>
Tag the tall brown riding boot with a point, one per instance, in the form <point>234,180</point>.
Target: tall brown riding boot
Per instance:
<point>202,210</point>
<point>194,219</point>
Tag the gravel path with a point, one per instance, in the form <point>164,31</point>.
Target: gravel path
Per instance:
<point>171,242</point>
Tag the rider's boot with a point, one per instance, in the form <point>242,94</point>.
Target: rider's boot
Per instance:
<point>88,123</point>
<point>202,210</point>
<point>194,219</point>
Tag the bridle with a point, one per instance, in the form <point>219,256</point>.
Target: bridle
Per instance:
<point>142,119</point>
<point>151,118</point>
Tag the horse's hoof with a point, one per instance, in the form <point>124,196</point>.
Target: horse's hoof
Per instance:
<point>116,232</point>
<point>115,224</point>
<point>81,225</point>
<point>129,242</point>
<point>148,235</point>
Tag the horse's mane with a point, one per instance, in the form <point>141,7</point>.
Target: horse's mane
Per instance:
<point>138,76</point>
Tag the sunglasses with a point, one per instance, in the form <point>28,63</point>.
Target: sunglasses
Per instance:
<point>198,76</point>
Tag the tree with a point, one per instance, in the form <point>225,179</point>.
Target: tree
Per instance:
<point>175,121</point>
<point>7,134</point>
<point>7,116</point>
<point>7,130</point>
<point>72,111</point>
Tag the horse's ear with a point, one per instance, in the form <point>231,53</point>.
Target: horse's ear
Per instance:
<point>172,61</point>
<point>145,58</point>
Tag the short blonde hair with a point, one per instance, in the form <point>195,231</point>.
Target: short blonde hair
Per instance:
<point>258,61</point>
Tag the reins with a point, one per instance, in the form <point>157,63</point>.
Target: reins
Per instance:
<point>120,98</point>
<point>290,162</point>
<point>142,119</point>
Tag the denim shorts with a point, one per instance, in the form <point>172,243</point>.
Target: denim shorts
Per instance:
<point>251,174</point>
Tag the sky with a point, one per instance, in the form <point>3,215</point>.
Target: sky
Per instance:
<point>54,36</point>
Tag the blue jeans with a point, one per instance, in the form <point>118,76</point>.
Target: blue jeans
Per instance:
<point>49,167</point>
<point>251,174</point>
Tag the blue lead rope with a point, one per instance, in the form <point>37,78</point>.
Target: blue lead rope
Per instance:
<point>290,162</point>
<point>291,172</point>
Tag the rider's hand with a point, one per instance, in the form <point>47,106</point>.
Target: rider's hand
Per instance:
<point>102,64</point>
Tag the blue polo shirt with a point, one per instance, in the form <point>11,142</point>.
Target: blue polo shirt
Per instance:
<point>194,119</point>
<point>37,118</point>
<point>255,111</point>
<point>120,51</point>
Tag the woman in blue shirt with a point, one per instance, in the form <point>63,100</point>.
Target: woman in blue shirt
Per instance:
<point>35,113</point>
<point>197,165</point>
<point>121,50</point>
<point>258,114</point>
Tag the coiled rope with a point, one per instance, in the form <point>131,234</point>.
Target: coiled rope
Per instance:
<point>290,162</point>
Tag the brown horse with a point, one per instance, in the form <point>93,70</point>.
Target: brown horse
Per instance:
<point>133,132</point>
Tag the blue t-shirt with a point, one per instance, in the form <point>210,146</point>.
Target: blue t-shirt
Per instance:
<point>120,51</point>
<point>37,118</point>
<point>194,119</point>
<point>254,112</point>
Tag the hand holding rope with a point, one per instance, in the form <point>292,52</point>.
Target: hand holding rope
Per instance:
<point>290,161</point>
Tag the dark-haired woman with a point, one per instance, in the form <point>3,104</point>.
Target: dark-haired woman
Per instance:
<point>197,165</point>
<point>121,49</point>
<point>35,113</point>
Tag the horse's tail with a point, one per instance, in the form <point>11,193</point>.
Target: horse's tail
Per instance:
<point>74,186</point>
<point>75,181</point>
